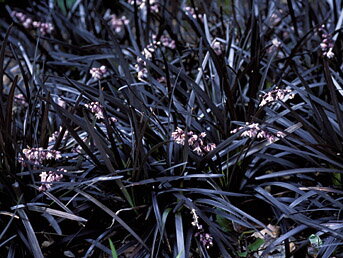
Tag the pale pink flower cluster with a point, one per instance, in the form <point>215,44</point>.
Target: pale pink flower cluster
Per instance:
<point>98,73</point>
<point>162,79</point>
<point>48,178</point>
<point>148,52</point>
<point>28,23</point>
<point>274,95</point>
<point>154,4</point>
<point>275,18</point>
<point>98,110</point>
<point>117,23</point>
<point>191,12</point>
<point>141,64</point>
<point>142,72</point>
<point>327,43</point>
<point>205,238</point>
<point>20,99</point>
<point>255,131</point>
<point>167,42</point>
<point>43,27</point>
<point>38,155</point>
<point>112,119</point>
<point>23,19</point>
<point>276,44</point>
<point>132,2</point>
<point>196,142</point>
<point>54,136</point>
<point>78,148</point>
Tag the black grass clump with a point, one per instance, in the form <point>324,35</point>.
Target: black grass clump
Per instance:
<point>171,128</point>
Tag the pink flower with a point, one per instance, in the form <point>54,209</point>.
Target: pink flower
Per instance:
<point>274,95</point>
<point>23,19</point>
<point>193,139</point>
<point>20,100</point>
<point>327,43</point>
<point>202,135</point>
<point>52,139</point>
<point>38,155</point>
<point>210,147</point>
<point>112,120</point>
<point>48,178</point>
<point>195,142</point>
<point>191,12</point>
<point>138,2</point>
<point>167,42</point>
<point>96,108</point>
<point>179,136</point>
<point>99,73</point>
<point>142,74</point>
<point>205,238</point>
<point>43,27</point>
<point>118,23</point>
<point>162,79</point>
<point>142,71</point>
<point>198,150</point>
<point>254,130</point>
<point>28,23</point>
<point>276,43</point>
<point>142,4</point>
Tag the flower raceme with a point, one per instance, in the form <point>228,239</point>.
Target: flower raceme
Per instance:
<point>98,110</point>
<point>192,12</point>
<point>166,41</point>
<point>99,73</point>
<point>255,131</point>
<point>23,19</point>
<point>117,23</point>
<point>28,23</point>
<point>43,27</point>
<point>38,155</point>
<point>196,142</point>
<point>205,238</point>
<point>20,99</point>
<point>141,64</point>
<point>148,51</point>
<point>47,178</point>
<point>275,95</point>
<point>327,43</point>
<point>142,4</point>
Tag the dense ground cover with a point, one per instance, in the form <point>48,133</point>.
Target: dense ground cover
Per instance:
<point>171,128</point>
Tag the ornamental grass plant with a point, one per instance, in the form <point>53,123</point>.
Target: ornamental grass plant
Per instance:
<point>162,128</point>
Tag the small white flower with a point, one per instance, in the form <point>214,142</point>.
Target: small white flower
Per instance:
<point>276,42</point>
<point>217,47</point>
<point>330,54</point>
